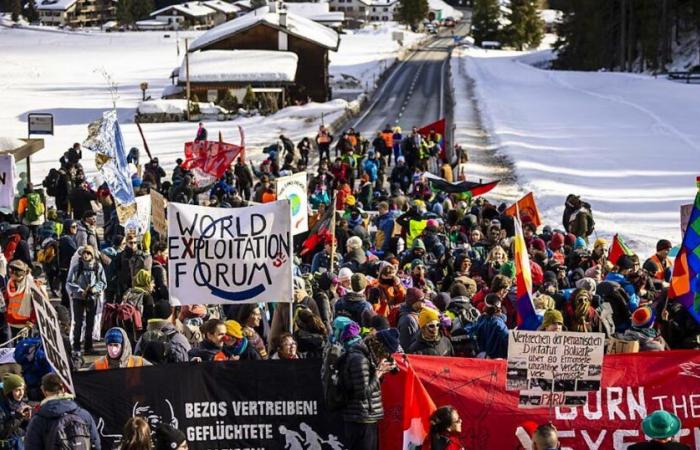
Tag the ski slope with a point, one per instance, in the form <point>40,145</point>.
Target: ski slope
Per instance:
<point>629,144</point>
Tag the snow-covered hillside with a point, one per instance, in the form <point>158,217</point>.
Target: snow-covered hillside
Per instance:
<point>48,70</point>
<point>629,144</point>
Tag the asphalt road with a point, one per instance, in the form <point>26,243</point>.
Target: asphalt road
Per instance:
<point>416,92</point>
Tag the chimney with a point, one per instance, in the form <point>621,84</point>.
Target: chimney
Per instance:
<point>272,6</point>
<point>283,18</point>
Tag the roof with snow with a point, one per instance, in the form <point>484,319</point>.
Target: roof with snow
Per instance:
<point>221,6</point>
<point>55,4</point>
<point>245,4</point>
<point>379,2</point>
<point>238,66</point>
<point>194,9</point>
<point>318,12</point>
<point>552,15</point>
<point>297,26</point>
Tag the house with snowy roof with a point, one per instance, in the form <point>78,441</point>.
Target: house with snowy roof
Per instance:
<point>276,29</point>
<point>196,15</point>
<point>366,10</point>
<point>76,13</point>
<point>318,12</point>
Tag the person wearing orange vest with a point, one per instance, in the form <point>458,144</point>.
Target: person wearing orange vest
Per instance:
<point>118,353</point>
<point>21,289</point>
<point>659,264</point>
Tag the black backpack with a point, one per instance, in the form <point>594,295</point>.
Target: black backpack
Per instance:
<point>152,340</point>
<point>51,182</point>
<point>69,432</point>
<point>335,393</point>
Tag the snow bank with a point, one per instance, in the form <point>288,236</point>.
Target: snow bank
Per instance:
<point>626,143</point>
<point>174,106</point>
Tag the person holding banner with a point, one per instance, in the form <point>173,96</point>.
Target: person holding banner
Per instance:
<point>211,348</point>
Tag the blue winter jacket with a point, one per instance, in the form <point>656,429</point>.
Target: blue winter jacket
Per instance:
<point>40,426</point>
<point>627,286</point>
<point>491,335</point>
<point>371,168</point>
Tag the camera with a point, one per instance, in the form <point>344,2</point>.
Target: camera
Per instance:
<point>394,368</point>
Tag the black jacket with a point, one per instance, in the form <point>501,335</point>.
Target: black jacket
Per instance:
<point>206,351</point>
<point>80,199</point>
<point>363,385</point>
<point>441,347</point>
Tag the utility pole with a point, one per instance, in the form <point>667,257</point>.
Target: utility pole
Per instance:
<point>187,75</point>
<point>623,35</point>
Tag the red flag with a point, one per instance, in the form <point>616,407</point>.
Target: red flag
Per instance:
<point>617,249</point>
<point>438,127</point>
<point>528,210</point>
<point>210,157</point>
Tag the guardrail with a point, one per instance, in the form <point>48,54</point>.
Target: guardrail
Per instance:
<point>685,76</point>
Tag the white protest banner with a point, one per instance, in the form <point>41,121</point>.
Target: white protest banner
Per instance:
<point>53,342</point>
<point>554,368</point>
<point>293,188</point>
<point>158,219</point>
<point>229,255</point>
<point>143,213</point>
<point>8,180</point>
<point>7,355</point>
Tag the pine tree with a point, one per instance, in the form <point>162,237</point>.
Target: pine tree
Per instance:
<point>526,28</point>
<point>194,105</point>
<point>229,102</point>
<point>124,8</point>
<point>30,11</point>
<point>412,12</point>
<point>16,10</point>
<point>140,9</point>
<point>255,4</point>
<point>485,26</point>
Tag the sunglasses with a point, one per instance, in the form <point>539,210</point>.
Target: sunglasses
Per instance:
<point>17,271</point>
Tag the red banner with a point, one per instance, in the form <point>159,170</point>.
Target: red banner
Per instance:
<point>633,385</point>
<point>210,157</point>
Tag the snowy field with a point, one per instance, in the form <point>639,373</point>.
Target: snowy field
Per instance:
<point>61,73</point>
<point>629,144</point>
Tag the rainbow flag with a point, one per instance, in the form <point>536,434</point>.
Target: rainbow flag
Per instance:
<point>527,317</point>
<point>685,283</point>
<point>617,249</point>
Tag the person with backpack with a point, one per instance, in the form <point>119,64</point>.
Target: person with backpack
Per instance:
<point>161,342</point>
<point>15,413</point>
<point>67,246</point>
<point>430,340</point>
<point>118,353</point>
<point>201,133</point>
<point>367,362</point>
<point>354,304</point>
<point>490,329</point>
<point>31,209</point>
<point>85,283</point>
<point>128,262</point>
<point>60,423</point>
<point>81,197</point>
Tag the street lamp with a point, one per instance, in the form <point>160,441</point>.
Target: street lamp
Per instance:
<point>144,87</point>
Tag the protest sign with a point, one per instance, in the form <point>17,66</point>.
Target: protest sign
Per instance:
<point>293,188</point>
<point>143,214</point>
<point>8,181</point>
<point>51,338</point>
<point>551,369</point>
<point>7,355</point>
<point>158,218</point>
<point>218,405</point>
<point>633,386</point>
<point>229,255</point>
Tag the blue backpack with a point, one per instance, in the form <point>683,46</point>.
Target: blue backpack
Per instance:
<point>29,353</point>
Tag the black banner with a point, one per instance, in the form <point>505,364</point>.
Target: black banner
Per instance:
<point>235,405</point>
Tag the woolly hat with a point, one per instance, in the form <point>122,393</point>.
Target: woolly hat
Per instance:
<point>417,262</point>
<point>661,425</point>
<point>426,316</point>
<point>114,336</point>
<point>600,242</point>
<point>10,382</point>
<point>625,262</point>
<point>544,302</point>
<point>234,329</point>
<point>586,283</point>
<point>414,295</point>
<point>643,317</point>
<point>162,310</point>
<point>389,339</point>
<point>432,223</point>
<point>538,244</point>
<point>579,243</point>
<point>557,241</point>
<point>345,274</point>
<point>358,283</point>
<point>168,438</point>
<point>442,300</point>
<point>350,200</point>
<point>468,283</point>
<point>418,243</point>
<point>663,244</point>
<point>552,316</point>
<point>508,269</point>
<point>570,239</point>
<point>594,272</point>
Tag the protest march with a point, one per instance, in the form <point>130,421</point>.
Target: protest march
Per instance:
<point>309,301</point>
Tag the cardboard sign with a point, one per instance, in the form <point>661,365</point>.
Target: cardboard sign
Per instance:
<point>617,346</point>
<point>159,221</point>
<point>53,342</point>
<point>293,188</point>
<point>554,369</point>
<point>230,255</point>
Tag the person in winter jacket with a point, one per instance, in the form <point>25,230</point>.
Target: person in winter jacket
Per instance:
<point>310,335</point>
<point>625,266</point>
<point>429,340</point>
<point>19,294</point>
<point>445,428</point>
<point>15,413</point>
<point>56,404</point>
<point>85,284</point>
<point>323,142</point>
<point>367,362</point>
<point>244,178</point>
<point>250,317</point>
<point>385,222</point>
<point>659,264</point>
<point>211,347</point>
<point>396,144</point>
<point>154,173</point>
<point>80,197</point>
<point>389,292</point>
<point>118,353</point>
<point>408,316</point>
<point>491,331</point>
<point>643,331</point>
<point>236,345</point>
<point>353,304</point>
<point>280,318</point>
<point>178,346</point>
<point>201,133</point>
<point>287,348</point>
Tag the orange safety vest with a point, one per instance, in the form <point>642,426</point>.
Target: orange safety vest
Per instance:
<point>660,271</point>
<point>323,138</point>
<point>268,197</point>
<point>103,364</point>
<point>353,141</point>
<point>13,305</point>
<point>388,139</point>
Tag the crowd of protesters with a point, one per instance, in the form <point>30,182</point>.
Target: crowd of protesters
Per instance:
<point>407,269</point>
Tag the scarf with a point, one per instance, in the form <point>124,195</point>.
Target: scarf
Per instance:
<point>238,349</point>
<point>142,281</point>
<point>27,289</point>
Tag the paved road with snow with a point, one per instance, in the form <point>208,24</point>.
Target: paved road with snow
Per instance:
<point>415,92</point>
